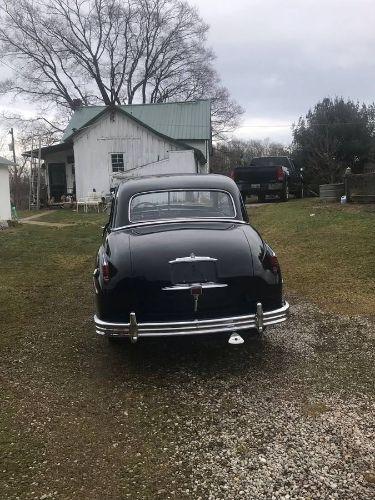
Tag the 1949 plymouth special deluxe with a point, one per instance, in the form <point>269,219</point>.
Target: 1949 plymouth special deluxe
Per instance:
<point>180,258</point>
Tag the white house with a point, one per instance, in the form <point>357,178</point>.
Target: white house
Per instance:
<point>5,212</point>
<point>105,144</point>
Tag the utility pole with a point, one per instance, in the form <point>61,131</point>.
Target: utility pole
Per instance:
<point>12,147</point>
<point>31,172</point>
<point>38,175</point>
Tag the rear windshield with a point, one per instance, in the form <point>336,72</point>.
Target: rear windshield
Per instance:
<point>181,204</point>
<point>269,161</point>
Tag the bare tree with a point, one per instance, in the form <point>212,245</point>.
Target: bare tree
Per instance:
<point>50,129</point>
<point>111,52</point>
<point>28,133</point>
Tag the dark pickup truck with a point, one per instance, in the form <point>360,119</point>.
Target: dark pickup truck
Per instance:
<point>269,175</point>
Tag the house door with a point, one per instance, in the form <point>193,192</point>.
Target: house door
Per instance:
<point>57,180</point>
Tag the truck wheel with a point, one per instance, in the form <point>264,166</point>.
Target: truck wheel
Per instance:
<point>285,193</point>
<point>261,198</point>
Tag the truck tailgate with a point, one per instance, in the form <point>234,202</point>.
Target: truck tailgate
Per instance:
<point>255,175</point>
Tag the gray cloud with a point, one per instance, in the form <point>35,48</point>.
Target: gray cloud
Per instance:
<point>279,58</point>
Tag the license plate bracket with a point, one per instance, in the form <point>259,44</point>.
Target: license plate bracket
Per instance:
<point>193,272</point>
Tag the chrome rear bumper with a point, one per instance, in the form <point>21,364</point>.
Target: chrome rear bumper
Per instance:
<point>134,330</point>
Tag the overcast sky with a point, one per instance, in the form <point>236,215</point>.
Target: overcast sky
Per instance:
<point>280,57</point>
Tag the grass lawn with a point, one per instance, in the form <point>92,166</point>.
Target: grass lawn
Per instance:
<point>80,418</point>
<point>327,251</point>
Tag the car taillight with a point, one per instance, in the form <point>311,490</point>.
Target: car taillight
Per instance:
<point>280,174</point>
<point>270,261</point>
<point>105,271</point>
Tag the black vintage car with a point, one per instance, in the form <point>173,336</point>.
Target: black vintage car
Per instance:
<point>180,258</point>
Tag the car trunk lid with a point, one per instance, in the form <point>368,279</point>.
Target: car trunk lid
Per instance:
<point>166,261</point>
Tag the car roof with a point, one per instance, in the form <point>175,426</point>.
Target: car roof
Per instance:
<point>176,181</point>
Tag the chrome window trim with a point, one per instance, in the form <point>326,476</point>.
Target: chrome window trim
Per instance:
<point>183,190</point>
<point>174,221</point>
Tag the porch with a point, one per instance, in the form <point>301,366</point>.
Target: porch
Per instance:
<point>57,173</point>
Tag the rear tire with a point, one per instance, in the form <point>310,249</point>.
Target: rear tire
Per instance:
<point>261,198</point>
<point>285,193</point>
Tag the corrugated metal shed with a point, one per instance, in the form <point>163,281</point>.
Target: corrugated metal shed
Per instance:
<point>179,120</point>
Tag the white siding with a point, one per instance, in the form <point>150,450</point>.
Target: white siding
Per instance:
<point>179,162</point>
<point>203,146</point>
<point>117,134</point>
<point>5,213</point>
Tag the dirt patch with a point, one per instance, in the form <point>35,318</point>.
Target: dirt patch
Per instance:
<point>32,220</point>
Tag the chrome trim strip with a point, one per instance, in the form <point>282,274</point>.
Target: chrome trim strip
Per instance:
<point>183,286</point>
<point>194,327</point>
<point>182,190</point>
<point>193,258</point>
<point>174,221</point>
<point>95,276</point>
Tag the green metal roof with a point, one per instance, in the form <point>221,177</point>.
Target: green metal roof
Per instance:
<point>190,120</point>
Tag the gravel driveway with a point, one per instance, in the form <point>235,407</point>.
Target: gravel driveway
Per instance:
<point>289,417</point>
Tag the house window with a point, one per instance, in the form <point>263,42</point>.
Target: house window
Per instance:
<point>117,160</point>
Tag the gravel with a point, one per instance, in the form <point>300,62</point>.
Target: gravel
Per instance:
<point>289,416</point>
<point>279,435</point>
